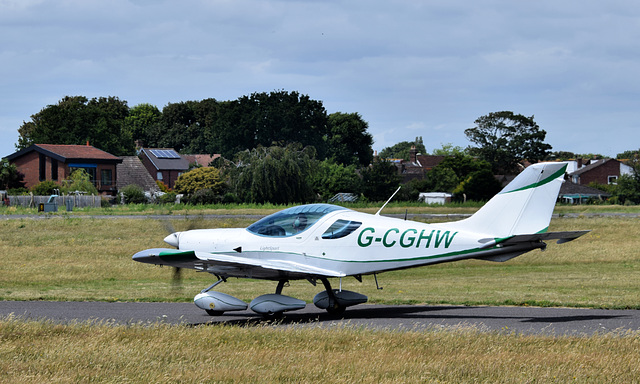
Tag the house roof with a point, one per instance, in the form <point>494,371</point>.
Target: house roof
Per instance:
<point>163,163</point>
<point>569,188</point>
<point>68,153</point>
<point>132,171</point>
<point>591,166</point>
<point>202,160</point>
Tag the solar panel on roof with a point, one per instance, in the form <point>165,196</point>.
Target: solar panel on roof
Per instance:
<point>165,154</point>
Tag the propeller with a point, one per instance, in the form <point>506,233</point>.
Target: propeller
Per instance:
<point>173,239</point>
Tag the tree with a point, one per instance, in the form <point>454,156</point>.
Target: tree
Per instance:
<point>278,175</point>
<point>143,119</point>
<point>380,180</point>
<point>76,120</point>
<point>480,185</point>
<point>401,149</point>
<point>504,139</point>
<point>449,150</point>
<point>348,141</point>
<point>10,177</point>
<point>332,178</point>
<point>79,180</point>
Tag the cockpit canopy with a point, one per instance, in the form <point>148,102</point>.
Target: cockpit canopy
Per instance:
<point>292,221</point>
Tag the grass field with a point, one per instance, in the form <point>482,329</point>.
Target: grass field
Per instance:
<point>37,352</point>
<point>73,258</point>
<point>90,259</point>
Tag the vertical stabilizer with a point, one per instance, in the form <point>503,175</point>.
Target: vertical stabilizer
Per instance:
<point>524,206</point>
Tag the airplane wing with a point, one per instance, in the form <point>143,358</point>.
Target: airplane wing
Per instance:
<point>232,265</point>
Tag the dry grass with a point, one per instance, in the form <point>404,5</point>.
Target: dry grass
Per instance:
<point>34,352</point>
<point>90,259</point>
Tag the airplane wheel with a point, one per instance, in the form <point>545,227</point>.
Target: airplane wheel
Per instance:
<point>336,311</point>
<point>211,312</point>
<point>272,315</point>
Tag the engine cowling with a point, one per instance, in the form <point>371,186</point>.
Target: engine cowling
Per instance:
<point>218,301</point>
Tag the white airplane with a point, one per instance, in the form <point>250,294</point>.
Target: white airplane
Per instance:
<point>317,242</point>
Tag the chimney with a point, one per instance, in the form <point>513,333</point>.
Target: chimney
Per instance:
<point>413,152</point>
<point>579,163</point>
<point>88,143</point>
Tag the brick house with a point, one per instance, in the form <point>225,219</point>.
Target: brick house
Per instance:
<point>56,162</point>
<point>603,171</point>
<point>164,164</point>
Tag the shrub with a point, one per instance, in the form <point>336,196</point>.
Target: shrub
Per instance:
<point>45,188</point>
<point>167,198</point>
<point>133,194</point>
<point>202,197</point>
<point>163,187</point>
<point>198,179</point>
<point>79,180</point>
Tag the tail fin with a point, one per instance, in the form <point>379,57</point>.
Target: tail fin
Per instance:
<point>524,206</point>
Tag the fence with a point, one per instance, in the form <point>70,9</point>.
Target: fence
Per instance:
<point>79,201</point>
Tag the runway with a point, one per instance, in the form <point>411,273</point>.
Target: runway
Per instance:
<point>527,320</point>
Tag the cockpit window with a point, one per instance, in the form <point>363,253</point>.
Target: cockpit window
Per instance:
<point>291,221</point>
<point>341,228</point>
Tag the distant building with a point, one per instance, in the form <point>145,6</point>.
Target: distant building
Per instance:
<point>164,164</point>
<point>200,160</point>
<point>56,162</point>
<point>435,197</point>
<point>132,171</point>
<point>579,194</point>
<point>603,171</point>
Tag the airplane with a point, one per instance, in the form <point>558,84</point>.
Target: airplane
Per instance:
<point>318,242</point>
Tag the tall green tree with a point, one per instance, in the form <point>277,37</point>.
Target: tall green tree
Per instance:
<point>402,149</point>
<point>380,180</point>
<point>348,141</point>
<point>10,177</point>
<point>332,178</point>
<point>504,139</point>
<point>278,175</point>
<point>142,121</point>
<point>76,120</point>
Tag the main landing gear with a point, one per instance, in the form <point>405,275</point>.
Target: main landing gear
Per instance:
<point>273,305</point>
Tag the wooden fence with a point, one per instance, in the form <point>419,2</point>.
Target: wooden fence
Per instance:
<point>79,201</point>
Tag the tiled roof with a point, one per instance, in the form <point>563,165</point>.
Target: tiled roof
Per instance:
<point>162,164</point>
<point>132,171</point>
<point>66,153</point>
<point>77,151</point>
<point>202,160</point>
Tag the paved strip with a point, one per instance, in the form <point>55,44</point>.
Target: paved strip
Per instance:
<point>528,320</point>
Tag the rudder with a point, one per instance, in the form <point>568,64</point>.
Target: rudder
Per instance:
<point>524,206</point>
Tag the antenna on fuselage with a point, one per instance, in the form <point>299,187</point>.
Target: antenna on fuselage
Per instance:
<point>385,204</point>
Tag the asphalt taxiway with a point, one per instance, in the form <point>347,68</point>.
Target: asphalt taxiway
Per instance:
<point>529,320</point>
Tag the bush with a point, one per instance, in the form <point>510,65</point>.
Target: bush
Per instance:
<point>163,187</point>
<point>167,198</point>
<point>202,197</point>
<point>133,194</point>
<point>200,179</point>
<point>45,188</point>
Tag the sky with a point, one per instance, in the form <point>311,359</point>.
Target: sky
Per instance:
<point>410,68</point>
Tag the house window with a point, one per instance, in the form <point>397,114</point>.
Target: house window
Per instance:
<point>43,167</point>
<point>159,176</point>
<point>106,177</point>
<point>54,169</point>
<point>612,179</point>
